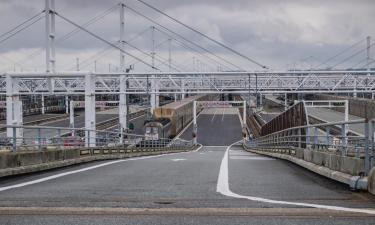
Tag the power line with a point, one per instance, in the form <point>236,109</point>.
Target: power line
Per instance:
<point>182,37</point>
<point>103,40</point>
<point>202,34</point>
<point>351,56</point>
<point>338,54</point>
<point>22,29</point>
<point>21,24</point>
<point>180,43</point>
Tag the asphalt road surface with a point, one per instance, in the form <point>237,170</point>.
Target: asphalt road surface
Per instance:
<point>182,189</point>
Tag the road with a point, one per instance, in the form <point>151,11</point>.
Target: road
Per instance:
<point>183,189</point>
<point>328,115</point>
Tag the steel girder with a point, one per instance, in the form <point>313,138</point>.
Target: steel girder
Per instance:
<point>69,83</point>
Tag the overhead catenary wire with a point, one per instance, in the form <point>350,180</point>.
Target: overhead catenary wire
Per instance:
<point>202,34</point>
<point>338,54</point>
<point>351,56</point>
<point>21,29</point>
<point>71,33</point>
<point>187,47</point>
<point>103,40</point>
<point>183,38</point>
<point>21,24</point>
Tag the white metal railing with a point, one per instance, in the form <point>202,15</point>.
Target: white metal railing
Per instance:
<point>324,137</point>
<point>44,137</point>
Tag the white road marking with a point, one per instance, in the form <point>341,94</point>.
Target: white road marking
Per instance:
<point>222,116</point>
<point>176,160</point>
<point>86,169</point>
<point>250,157</point>
<point>223,188</point>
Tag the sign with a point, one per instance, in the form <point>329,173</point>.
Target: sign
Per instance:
<point>219,104</point>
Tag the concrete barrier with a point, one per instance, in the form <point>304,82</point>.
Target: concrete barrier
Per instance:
<point>343,169</point>
<point>34,161</point>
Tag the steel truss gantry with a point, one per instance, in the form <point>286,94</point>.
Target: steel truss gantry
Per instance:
<point>75,83</point>
<point>90,84</point>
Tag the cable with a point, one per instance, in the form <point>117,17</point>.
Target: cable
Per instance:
<point>103,40</point>
<point>183,38</point>
<point>21,24</point>
<point>180,43</point>
<point>202,34</point>
<point>338,54</point>
<point>3,40</point>
<point>351,56</point>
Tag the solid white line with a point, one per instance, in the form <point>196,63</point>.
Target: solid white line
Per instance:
<point>84,169</point>
<point>223,188</point>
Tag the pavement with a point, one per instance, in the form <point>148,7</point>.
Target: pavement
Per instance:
<point>328,115</point>
<point>182,189</point>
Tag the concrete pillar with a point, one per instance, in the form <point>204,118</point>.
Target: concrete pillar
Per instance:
<point>183,89</point>
<point>71,116</point>
<point>13,108</point>
<point>90,136</point>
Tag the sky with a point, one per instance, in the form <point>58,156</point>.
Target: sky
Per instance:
<point>280,34</point>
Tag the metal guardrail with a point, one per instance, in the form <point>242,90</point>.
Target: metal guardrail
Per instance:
<point>77,139</point>
<point>321,138</point>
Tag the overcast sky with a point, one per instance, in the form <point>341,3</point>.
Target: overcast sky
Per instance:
<point>279,34</point>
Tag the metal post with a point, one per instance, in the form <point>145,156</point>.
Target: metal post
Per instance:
<point>13,108</point>
<point>47,34</point>
<point>43,108</point>
<point>122,36</point>
<point>244,121</point>
<point>195,127</point>
<point>39,139</point>
<point>66,104</point>
<point>14,137</point>
<point>315,137</point>
<point>343,139</point>
<point>286,101</point>
<point>123,106</point>
<point>346,116</point>
<point>52,37</point>
<point>90,110</point>
<point>368,55</point>
<point>367,137</point>
<point>71,116</point>
<point>328,141</point>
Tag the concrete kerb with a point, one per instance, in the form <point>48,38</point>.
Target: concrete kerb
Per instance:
<point>89,155</point>
<point>354,182</point>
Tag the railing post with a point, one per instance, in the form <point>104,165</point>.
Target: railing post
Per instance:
<point>307,131</point>
<point>39,139</point>
<point>343,139</point>
<point>299,138</point>
<point>367,156</point>
<point>59,142</point>
<point>315,137</point>
<point>14,136</point>
<point>328,142</point>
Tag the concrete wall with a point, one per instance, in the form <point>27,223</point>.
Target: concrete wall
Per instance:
<point>33,161</point>
<point>348,165</point>
<point>357,106</point>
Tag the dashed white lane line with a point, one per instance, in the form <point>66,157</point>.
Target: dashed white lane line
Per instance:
<point>223,188</point>
<point>86,169</point>
<point>243,157</point>
<point>213,117</point>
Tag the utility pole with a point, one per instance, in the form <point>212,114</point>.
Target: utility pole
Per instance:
<point>123,104</point>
